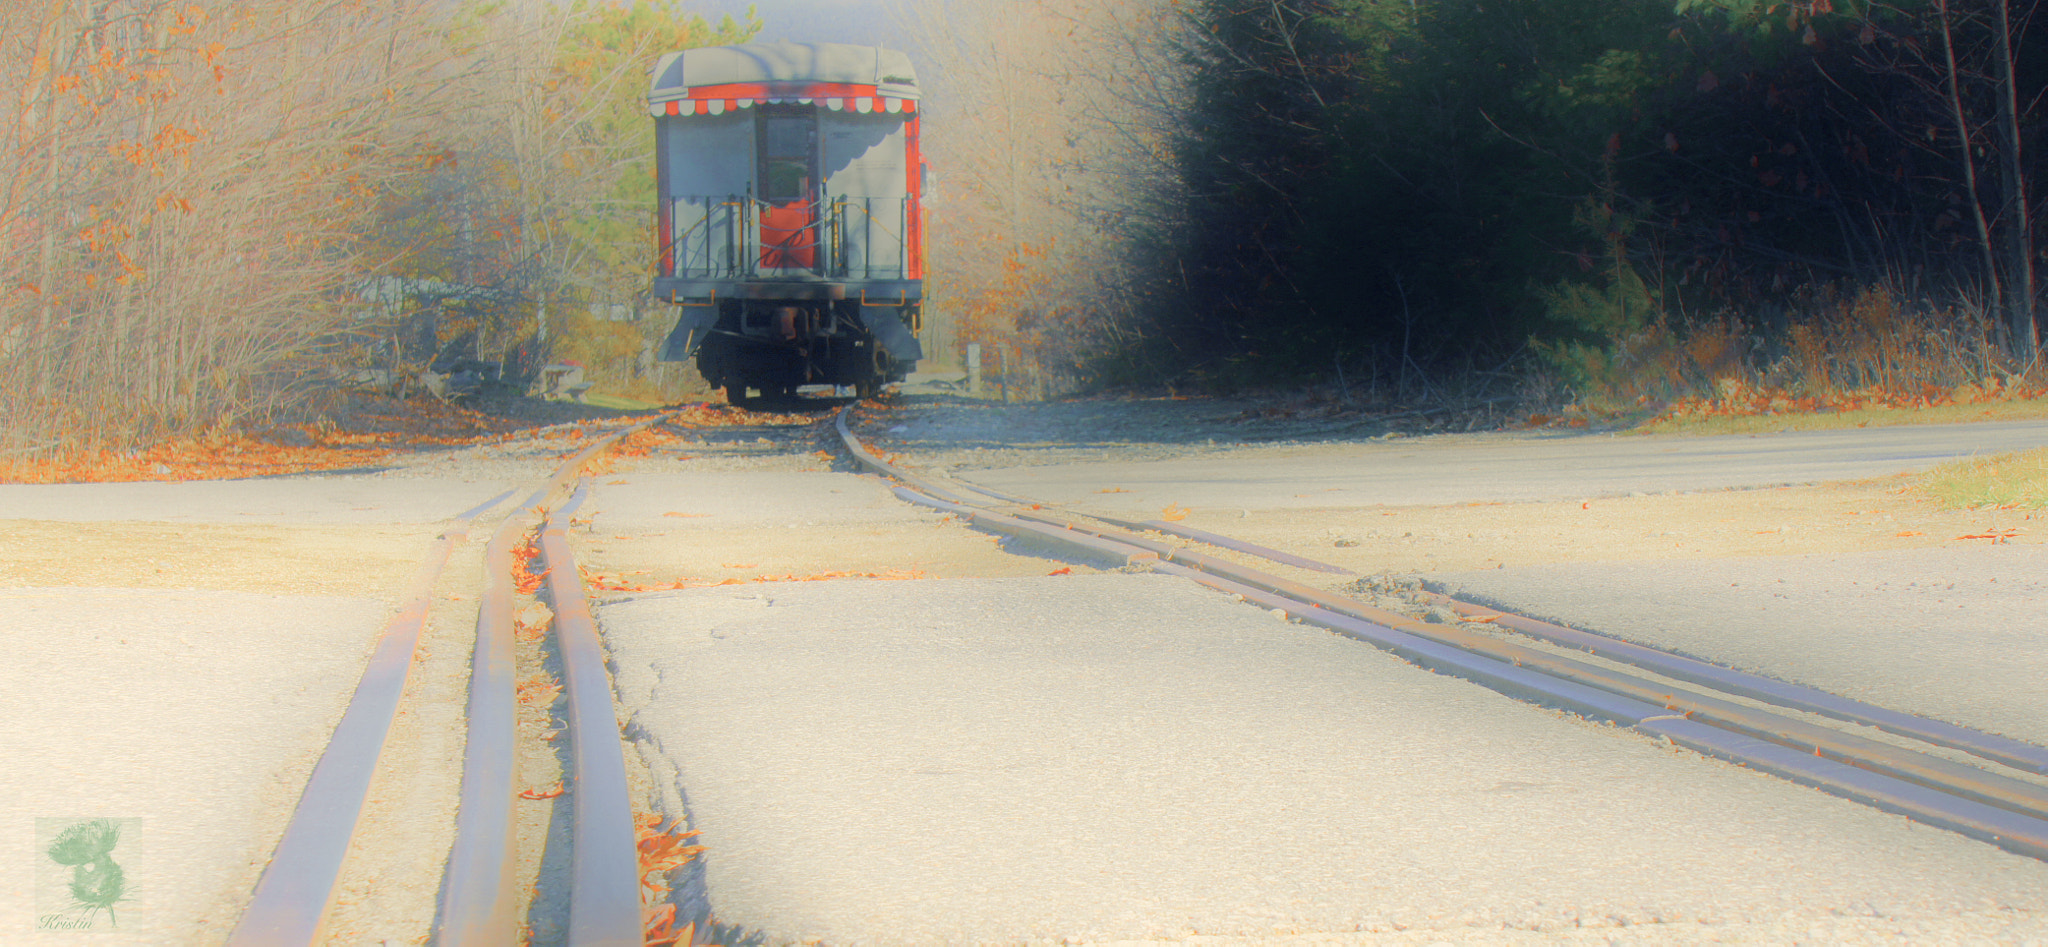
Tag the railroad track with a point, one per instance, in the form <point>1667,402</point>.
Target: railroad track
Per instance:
<point>480,902</point>
<point>1979,784</point>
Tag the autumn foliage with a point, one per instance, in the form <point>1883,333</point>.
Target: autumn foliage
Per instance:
<point>184,189</point>
<point>217,214</point>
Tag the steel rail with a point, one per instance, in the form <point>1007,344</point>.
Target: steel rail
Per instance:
<point>1991,787</point>
<point>479,903</point>
<point>1074,542</point>
<point>2010,752</point>
<point>604,893</point>
<point>2008,812</point>
<point>2013,831</point>
<point>1969,781</point>
<point>293,897</point>
<point>948,488</point>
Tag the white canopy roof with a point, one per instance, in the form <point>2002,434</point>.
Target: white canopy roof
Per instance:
<point>676,73</point>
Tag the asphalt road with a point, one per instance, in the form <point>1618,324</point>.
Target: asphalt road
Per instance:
<point>1006,755</point>
<point>1112,757</point>
<point>1504,467</point>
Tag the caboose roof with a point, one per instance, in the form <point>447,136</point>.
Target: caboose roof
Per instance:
<point>887,70</point>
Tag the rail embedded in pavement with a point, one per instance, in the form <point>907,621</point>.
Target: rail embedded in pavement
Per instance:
<point>2009,812</point>
<point>292,899</point>
<point>478,901</point>
<point>291,902</point>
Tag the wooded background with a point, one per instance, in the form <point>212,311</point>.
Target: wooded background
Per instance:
<point>220,213</point>
<point>1621,201</point>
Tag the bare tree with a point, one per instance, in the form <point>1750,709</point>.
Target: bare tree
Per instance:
<point>1051,131</point>
<point>1972,62</point>
<point>196,180</point>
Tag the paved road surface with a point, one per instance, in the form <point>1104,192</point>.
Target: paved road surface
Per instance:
<point>192,713</point>
<point>946,761</point>
<point>1435,470</point>
<point>940,760</point>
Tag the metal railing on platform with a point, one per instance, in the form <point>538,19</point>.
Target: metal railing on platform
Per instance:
<point>838,237</point>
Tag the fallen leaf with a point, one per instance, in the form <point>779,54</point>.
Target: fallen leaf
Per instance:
<point>1069,570</point>
<point>1173,513</point>
<point>548,793</point>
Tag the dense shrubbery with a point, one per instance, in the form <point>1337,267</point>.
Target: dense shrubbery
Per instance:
<point>1425,189</point>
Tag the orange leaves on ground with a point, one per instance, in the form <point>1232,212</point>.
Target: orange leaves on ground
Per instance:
<point>1996,535</point>
<point>725,415</point>
<point>1112,490</point>
<point>1064,570</point>
<point>661,930</point>
<point>539,690</point>
<point>1911,532</point>
<point>226,460</point>
<point>663,848</point>
<point>1174,513</point>
<point>612,583</point>
<point>379,429</point>
<point>648,440</point>
<point>548,793</point>
<point>189,20</point>
<point>525,577</point>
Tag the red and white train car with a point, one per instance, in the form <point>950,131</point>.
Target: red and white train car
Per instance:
<point>790,229</point>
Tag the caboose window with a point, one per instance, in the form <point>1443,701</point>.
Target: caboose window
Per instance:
<point>788,142</point>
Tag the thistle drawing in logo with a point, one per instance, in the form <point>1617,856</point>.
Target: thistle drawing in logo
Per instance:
<point>96,883</point>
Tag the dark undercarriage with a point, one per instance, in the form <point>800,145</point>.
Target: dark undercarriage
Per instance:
<point>764,349</point>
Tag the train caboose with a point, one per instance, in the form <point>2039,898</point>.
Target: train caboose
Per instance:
<point>790,229</point>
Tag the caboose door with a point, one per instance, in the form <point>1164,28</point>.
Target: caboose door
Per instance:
<point>789,176</point>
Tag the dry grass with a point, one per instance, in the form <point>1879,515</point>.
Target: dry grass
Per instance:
<point>1857,361</point>
<point>1822,419</point>
<point>2017,481</point>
